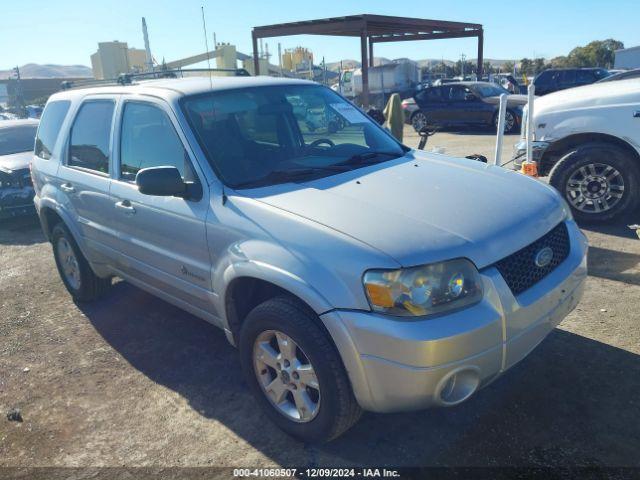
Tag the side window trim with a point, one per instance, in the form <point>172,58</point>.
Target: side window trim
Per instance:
<point>67,143</point>
<point>117,137</point>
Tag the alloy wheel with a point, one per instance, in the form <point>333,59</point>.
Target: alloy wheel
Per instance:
<point>69,263</point>
<point>286,376</point>
<point>595,188</point>
<point>419,121</point>
<point>509,121</point>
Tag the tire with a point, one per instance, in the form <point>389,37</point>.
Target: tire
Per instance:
<point>602,166</point>
<point>336,409</point>
<point>419,120</point>
<point>87,286</point>
<point>509,127</point>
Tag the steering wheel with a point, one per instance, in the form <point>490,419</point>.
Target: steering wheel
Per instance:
<point>320,141</point>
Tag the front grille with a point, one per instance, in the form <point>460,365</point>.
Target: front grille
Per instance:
<point>520,270</point>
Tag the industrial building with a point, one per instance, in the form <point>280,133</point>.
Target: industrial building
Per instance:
<point>628,58</point>
<point>114,58</point>
<point>297,59</point>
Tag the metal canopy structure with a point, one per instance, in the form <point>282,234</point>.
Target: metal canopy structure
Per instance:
<point>372,29</point>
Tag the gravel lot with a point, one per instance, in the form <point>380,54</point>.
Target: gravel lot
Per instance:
<point>133,381</point>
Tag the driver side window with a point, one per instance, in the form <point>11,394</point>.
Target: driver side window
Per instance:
<point>148,139</point>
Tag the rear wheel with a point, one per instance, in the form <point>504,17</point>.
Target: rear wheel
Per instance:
<point>510,122</point>
<point>295,372</point>
<point>598,180</point>
<point>75,271</point>
<point>419,121</point>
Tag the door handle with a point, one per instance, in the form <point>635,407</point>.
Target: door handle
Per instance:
<point>67,187</point>
<point>126,207</point>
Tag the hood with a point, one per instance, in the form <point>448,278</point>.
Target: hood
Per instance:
<point>590,96</point>
<point>424,208</point>
<point>512,100</point>
<point>15,161</point>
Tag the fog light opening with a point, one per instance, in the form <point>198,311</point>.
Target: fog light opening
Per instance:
<point>457,386</point>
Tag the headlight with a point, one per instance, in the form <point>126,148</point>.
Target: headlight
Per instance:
<point>424,290</point>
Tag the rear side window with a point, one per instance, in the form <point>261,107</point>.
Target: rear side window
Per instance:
<point>90,136</point>
<point>148,139</point>
<point>567,78</point>
<point>585,76</point>
<point>544,78</point>
<point>430,95</point>
<point>49,129</point>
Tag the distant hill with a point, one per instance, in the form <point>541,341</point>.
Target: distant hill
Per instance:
<point>33,70</point>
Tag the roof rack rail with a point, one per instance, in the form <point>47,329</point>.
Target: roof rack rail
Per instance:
<point>129,78</point>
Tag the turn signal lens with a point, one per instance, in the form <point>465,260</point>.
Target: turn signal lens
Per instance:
<point>379,295</point>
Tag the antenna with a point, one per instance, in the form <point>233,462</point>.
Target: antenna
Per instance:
<point>206,45</point>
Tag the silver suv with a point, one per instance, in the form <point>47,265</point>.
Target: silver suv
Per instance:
<point>351,271</point>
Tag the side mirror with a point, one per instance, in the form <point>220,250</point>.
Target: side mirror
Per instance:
<point>470,97</point>
<point>161,181</point>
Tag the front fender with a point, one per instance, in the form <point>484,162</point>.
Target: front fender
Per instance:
<point>268,262</point>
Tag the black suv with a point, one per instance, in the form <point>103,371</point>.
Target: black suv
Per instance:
<point>560,79</point>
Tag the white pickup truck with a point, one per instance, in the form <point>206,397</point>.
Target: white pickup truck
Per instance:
<point>587,140</point>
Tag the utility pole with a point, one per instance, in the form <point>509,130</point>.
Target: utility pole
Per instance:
<point>280,58</point>
<point>22,111</point>
<point>462,59</point>
<point>148,63</point>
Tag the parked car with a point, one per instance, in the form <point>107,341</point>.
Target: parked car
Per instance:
<point>16,150</point>
<point>553,80</point>
<point>587,140</point>
<point>465,103</point>
<point>625,75</point>
<point>409,107</point>
<point>351,271</point>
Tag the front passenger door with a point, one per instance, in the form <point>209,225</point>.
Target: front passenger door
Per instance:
<point>162,239</point>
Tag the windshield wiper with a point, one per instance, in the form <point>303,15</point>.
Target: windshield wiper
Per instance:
<point>279,176</point>
<point>361,158</point>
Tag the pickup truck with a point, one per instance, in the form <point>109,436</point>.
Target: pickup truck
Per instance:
<point>587,141</point>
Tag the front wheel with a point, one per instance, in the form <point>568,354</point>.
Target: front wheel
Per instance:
<point>295,372</point>
<point>598,180</point>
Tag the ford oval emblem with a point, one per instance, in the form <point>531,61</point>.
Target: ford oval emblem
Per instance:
<point>543,257</point>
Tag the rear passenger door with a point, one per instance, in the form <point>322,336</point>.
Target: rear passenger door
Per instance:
<point>431,103</point>
<point>162,240</point>
<point>84,175</point>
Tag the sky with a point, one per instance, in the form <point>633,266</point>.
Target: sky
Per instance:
<point>66,32</point>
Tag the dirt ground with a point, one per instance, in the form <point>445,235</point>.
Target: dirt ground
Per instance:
<point>133,381</point>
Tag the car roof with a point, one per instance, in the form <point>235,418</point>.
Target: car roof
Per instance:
<point>19,122</point>
<point>181,86</point>
<point>571,68</point>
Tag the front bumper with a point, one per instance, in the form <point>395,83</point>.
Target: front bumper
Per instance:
<point>397,365</point>
<point>16,201</point>
<point>520,152</point>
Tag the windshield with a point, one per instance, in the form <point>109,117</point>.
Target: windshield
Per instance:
<point>17,139</point>
<point>265,135</point>
<point>490,90</point>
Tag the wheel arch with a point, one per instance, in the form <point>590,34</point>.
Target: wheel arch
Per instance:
<point>247,289</point>
<point>561,147</point>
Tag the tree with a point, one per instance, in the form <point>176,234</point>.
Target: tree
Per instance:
<point>508,66</point>
<point>599,53</point>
